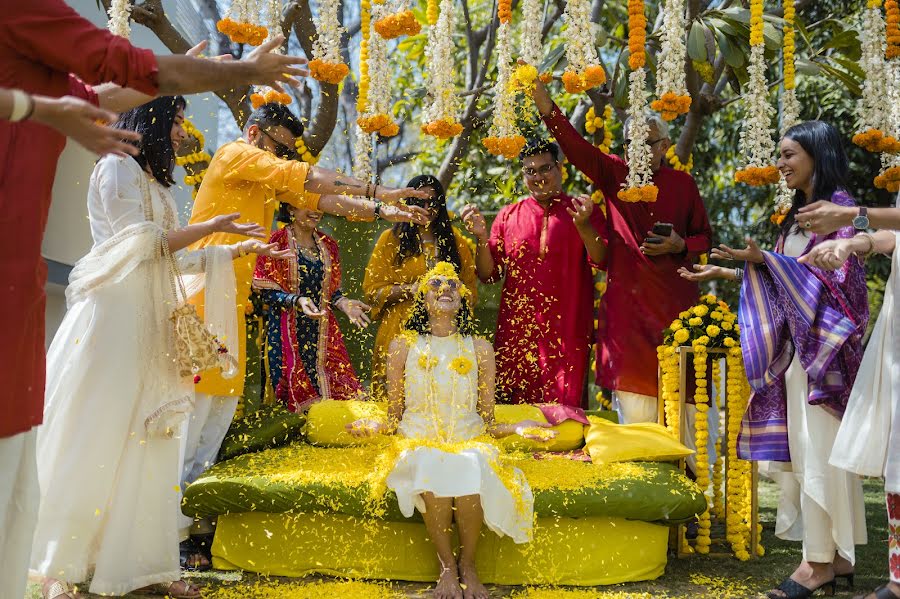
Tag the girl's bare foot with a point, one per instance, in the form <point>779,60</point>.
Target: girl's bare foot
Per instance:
<point>469,582</point>
<point>447,586</point>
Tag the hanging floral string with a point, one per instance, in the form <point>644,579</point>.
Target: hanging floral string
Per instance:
<point>327,66</point>
<point>639,185</point>
<point>119,18</point>
<point>304,153</point>
<point>584,71</point>
<point>375,116</point>
<point>504,138</point>
<point>440,113</point>
<point>193,178</point>
<point>790,108</point>
<point>239,23</point>
<point>431,12</point>
<point>874,105</point>
<point>701,440</point>
<point>718,503</point>
<point>398,21</point>
<point>675,161</point>
<point>757,145</point>
<point>671,88</point>
<point>889,177</point>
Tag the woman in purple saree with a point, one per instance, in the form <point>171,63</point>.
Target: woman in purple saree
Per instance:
<point>802,331</point>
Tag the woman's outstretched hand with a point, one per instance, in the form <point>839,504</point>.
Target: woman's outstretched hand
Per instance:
<point>367,427</point>
<point>706,272</point>
<point>356,311</point>
<point>534,430</point>
<point>751,253</point>
<point>308,307</point>
<point>225,223</point>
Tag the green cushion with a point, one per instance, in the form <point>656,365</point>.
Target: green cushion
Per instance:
<point>303,478</point>
<point>268,427</point>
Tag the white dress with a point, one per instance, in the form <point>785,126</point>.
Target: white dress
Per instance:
<point>820,505</point>
<point>868,442</point>
<point>107,457</point>
<point>441,404</point>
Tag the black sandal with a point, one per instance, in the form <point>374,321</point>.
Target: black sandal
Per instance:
<point>882,592</point>
<point>794,590</point>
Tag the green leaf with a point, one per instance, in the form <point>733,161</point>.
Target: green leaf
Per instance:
<point>733,56</point>
<point>805,67</point>
<point>697,42</point>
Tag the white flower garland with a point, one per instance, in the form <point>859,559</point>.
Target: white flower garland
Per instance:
<point>504,117</point>
<point>530,40</point>
<point>439,66</point>
<point>756,143</point>
<point>640,172</point>
<point>379,71</point>
<point>670,72</point>
<point>327,45</point>
<point>119,17</point>
<point>362,151</point>
<point>874,107</point>
<point>580,50</point>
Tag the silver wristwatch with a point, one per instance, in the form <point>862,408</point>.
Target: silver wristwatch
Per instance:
<point>861,220</point>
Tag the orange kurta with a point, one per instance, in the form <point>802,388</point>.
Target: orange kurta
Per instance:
<point>246,179</point>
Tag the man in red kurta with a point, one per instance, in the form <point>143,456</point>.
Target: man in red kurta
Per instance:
<point>542,246</point>
<point>644,292</point>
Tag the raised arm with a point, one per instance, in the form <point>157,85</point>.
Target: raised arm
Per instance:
<point>824,217</point>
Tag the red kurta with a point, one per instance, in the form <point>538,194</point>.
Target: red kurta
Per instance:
<point>544,327</point>
<point>644,293</point>
<point>41,43</point>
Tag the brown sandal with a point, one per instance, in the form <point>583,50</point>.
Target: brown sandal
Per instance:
<point>180,589</point>
<point>59,589</point>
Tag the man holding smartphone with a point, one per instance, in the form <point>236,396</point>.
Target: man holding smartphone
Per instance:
<point>646,245</point>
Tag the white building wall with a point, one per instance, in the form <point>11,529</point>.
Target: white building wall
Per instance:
<point>67,237</point>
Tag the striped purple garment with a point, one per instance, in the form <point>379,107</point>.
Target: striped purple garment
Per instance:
<point>786,307</point>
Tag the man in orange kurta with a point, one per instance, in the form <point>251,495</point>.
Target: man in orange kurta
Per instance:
<point>252,176</point>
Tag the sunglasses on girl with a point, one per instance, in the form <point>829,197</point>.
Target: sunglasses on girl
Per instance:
<point>437,284</point>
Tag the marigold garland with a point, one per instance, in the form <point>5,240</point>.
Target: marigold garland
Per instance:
<point>874,129</point>
<point>756,141</point>
<point>194,179</point>
<point>431,13</point>
<point>395,25</point>
<point>119,18</point>
<point>701,440</point>
<point>375,117</point>
<point>790,108</point>
<point>304,153</point>
<point>593,123</point>
<point>242,33</point>
<point>671,88</point>
<point>440,113</point>
<point>261,98</point>
<point>892,29</point>
<point>718,502</point>
<point>675,161</point>
<point>585,71</point>
<point>504,138</point>
<point>327,65</point>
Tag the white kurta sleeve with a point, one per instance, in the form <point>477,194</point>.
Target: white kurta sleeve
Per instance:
<point>120,192</point>
<point>191,262</point>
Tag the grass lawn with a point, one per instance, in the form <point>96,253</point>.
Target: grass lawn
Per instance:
<point>694,577</point>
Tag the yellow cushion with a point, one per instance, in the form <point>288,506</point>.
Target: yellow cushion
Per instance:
<point>570,434</point>
<point>607,442</point>
<point>326,422</point>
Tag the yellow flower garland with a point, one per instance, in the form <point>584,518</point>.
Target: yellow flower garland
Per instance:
<point>200,156</point>
<point>365,18</point>
<point>718,504</point>
<point>304,153</point>
<point>675,161</point>
<point>701,437</point>
<point>593,123</point>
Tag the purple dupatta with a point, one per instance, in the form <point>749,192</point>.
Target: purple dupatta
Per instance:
<point>788,307</point>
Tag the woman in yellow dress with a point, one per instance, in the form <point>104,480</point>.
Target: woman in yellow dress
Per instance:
<point>401,256</point>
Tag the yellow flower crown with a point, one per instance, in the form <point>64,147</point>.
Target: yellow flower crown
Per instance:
<point>442,269</point>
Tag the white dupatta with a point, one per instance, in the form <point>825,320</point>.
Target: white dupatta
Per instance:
<point>868,442</point>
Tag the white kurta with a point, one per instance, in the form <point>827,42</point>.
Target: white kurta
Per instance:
<point>108,475</point>
<point>442,404</point>
<point>820,505</point>
<point>868,442</point>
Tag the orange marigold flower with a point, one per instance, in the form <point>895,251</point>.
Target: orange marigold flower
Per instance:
<point>508,147</point>
<point>578,82</point>
<point>757,176</point>
<point>671,105</point>
<point>637,34</point>
<point>442,129</point>
<point>395,25</point>
<point>504,10</point>
<point>546,78</point>
<point>328,72</point>
<point>374,123</point>
<point>892,18</point>
<point>646,193</point>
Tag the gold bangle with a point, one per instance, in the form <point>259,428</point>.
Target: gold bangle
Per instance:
<point>241,252</point>
<point>871,239</point>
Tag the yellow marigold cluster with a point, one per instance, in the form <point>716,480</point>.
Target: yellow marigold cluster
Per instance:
<point>328,72</point>
<point>380,123</point>
<point>667,355</point>
<point>578,82</point>
<point>523,78</point>
<point>756,23</point>
<point>718,503</point>
<point>365,19</point>
<point>593,123</point>
<point>738,481</point>
<point>431,13</point>
<point>645,193</point>
<point>442,129</point>
<point>504,10</point>
<point>509,147</point>
<point>261,98</point>
<point>757,175</point>
<point>675,161</point>
<point>670,105</point>
<point>401,23</point>
<point>876,140</point>
<point>889,179</point>
<point>637,34</point>
<point>892,18</point>
<point>304,153</point>
<point>701,437</point>
<point>788,46</point>
<point>242,33</point>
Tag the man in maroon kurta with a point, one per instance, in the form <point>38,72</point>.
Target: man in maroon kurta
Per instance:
<point>644,291</point>
<point>542,246</point>
<point>45,46</point>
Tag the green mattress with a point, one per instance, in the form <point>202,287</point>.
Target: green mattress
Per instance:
<point>301,478</point>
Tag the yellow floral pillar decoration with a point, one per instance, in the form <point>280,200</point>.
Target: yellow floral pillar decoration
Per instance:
<point>701,439</point>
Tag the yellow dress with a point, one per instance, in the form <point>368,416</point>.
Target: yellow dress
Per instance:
<point>249,180</point>
<point>382,273</point>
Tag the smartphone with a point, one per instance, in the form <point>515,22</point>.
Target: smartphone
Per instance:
<point>653,240</point>
<point>662,229</point>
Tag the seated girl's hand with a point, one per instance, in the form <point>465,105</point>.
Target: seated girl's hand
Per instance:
<point>367,427</point>
<point>534,430</point>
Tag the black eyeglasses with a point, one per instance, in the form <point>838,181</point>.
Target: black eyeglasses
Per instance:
<point>541,170</point>
<point>281,150</point>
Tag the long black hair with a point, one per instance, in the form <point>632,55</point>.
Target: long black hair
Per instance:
<point>830,165</point>
<point>418,318</point>
<point>407,234</point>
<point>154,121</point>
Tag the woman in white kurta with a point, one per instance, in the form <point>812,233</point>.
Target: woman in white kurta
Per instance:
<point>440,383</point>
<point>108,456</point>
<point>868,442</point>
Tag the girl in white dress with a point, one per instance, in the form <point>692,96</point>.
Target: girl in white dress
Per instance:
<point>440,383</point>
<point>108,456</point>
